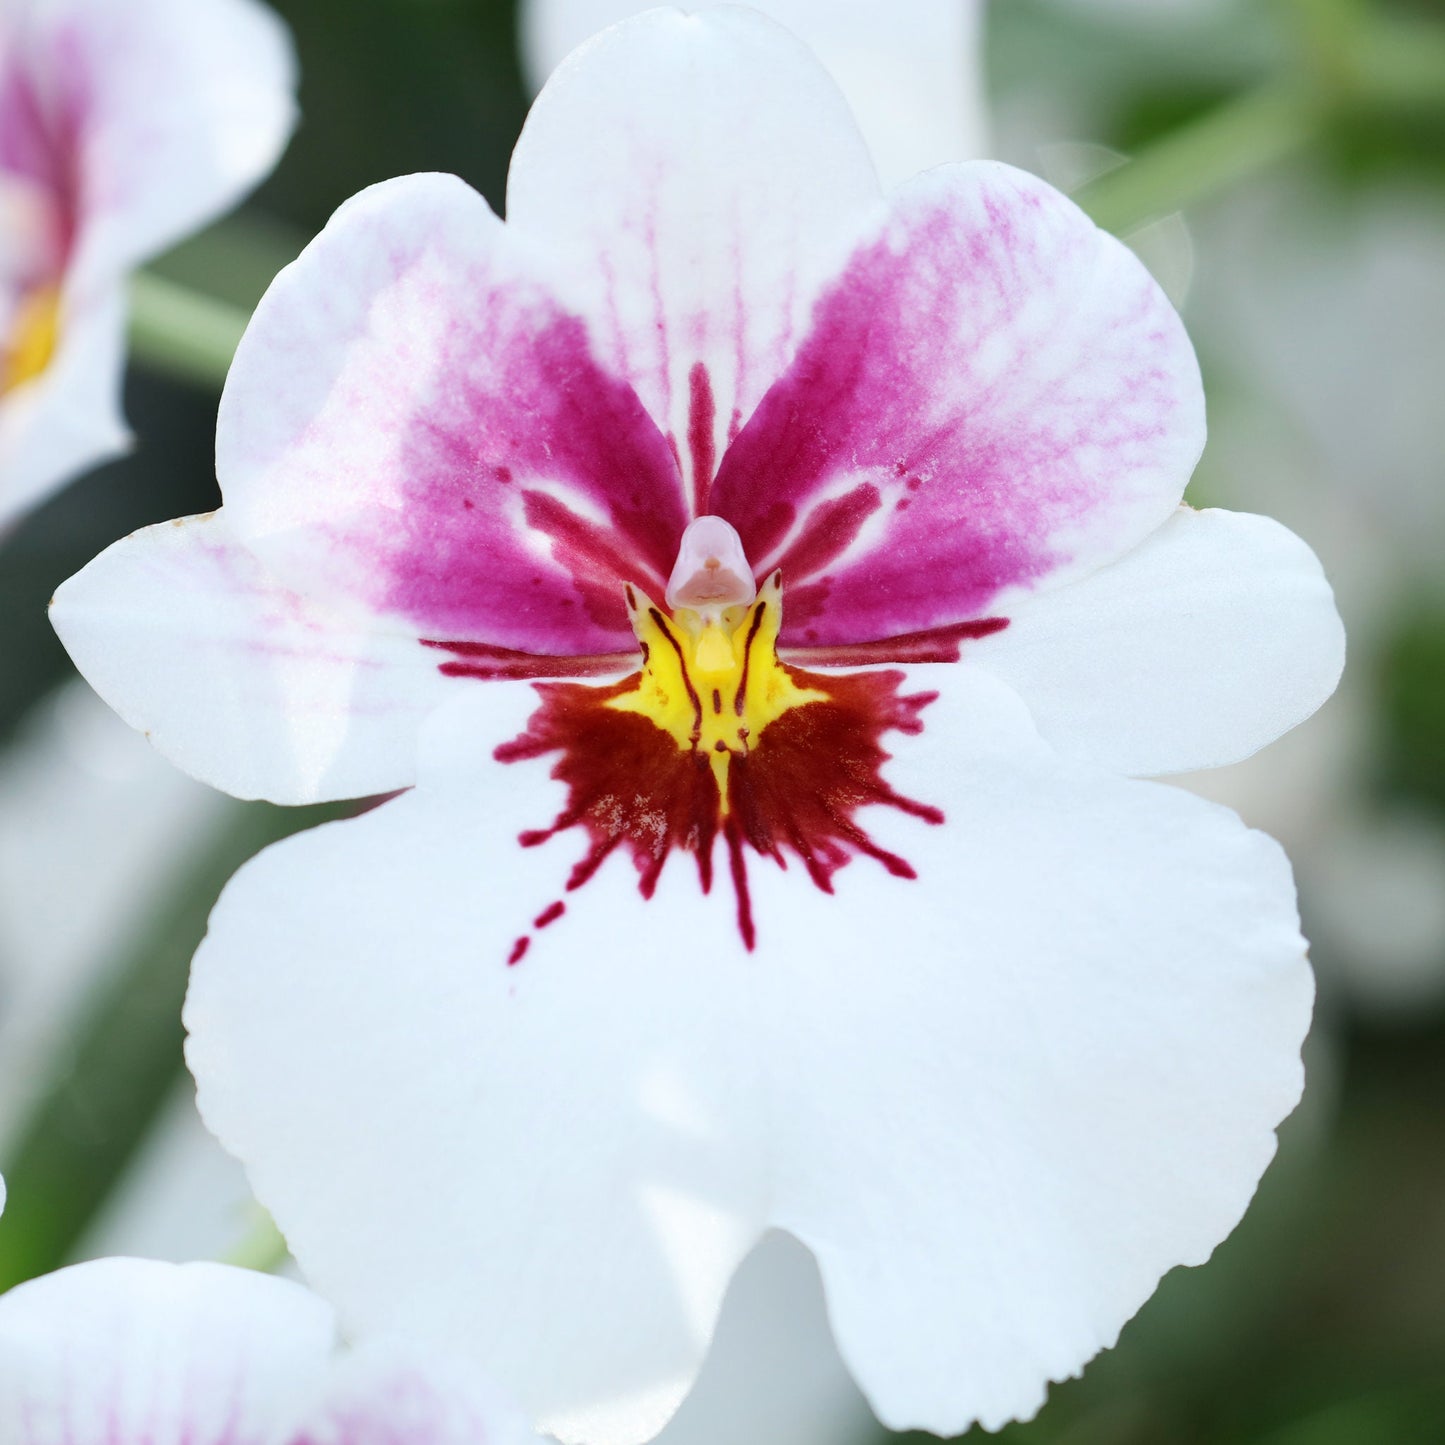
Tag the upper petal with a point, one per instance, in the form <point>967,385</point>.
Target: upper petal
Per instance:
<point>239,680</point>
<point>1213,638</point>
<point>911,71</point>
<point>998,1101</point>
<point>156,114</point>
<point>124,1351</point>
<point>993,396</point>
<point>688,178</point>
<point>415,425</point>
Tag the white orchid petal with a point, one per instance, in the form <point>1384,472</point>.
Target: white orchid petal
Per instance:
<point>911,70</point>
<point>239,681</point>
<point>124,1351</point>
<point>998,1101</point>
<point>690,222</point>
<point>1210,640</point>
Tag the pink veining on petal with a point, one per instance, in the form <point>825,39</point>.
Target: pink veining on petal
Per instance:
<point>958,421</point>
<point>701,417</point>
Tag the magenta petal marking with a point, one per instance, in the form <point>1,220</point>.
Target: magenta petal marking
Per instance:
<point>829,530</point>
<point>522,404</point>
<point>701,416</point>
<point>934,644</point>
<point>41,132</point>
<point>486,661</point>
<point>964,416</point>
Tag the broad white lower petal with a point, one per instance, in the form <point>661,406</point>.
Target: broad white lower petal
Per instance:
<point>124,1351</point>
<point>691,177</point>
<point>239,681</point>
<point>998,1102</point>
<point>67,419</point>
<point>1213,638</point>
<point>911,71</point>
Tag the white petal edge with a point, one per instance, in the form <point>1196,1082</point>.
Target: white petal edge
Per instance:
<point>912,71</point>
<point>239,681</point>
<point>998,1103</point>
<point>1211,639</point>
<point>124,1350</point>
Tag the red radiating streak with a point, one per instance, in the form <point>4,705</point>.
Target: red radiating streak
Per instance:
<point>491,663</point>
<point>932,644</point>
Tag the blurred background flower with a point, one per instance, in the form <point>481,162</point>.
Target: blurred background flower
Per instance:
<point>1299,146</point>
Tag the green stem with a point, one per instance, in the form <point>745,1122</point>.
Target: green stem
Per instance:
<point>182,332</point>
<point>1236,140</point>
<point>263,1249</point>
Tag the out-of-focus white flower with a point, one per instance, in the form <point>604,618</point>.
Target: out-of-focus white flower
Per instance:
<point>1010,1035</point>
<point>137,1352</point>
<point>122,127</point>
<point>910,69</point>
<point>94,826</point>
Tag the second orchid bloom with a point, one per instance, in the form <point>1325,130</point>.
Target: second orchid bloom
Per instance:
<point>767,590</point>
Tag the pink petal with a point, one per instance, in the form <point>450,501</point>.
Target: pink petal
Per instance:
<point>994,395</point>
<point>415,424</point>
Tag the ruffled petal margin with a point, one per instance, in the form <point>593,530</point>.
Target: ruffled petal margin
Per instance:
<point>998,1102</point>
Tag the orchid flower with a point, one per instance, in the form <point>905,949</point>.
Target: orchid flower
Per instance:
<point>122,128</point>
<point>138,1352</point>
<point>765,590</point>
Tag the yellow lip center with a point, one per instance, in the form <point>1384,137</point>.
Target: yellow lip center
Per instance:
<point>32,340</point>
<point>713,681</point>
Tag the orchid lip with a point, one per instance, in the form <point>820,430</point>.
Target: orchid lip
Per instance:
<point>717,740</point>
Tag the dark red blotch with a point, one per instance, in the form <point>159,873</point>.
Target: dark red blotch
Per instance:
<point>796,792</point>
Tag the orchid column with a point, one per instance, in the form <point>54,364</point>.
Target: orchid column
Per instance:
<point>766,591</point>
